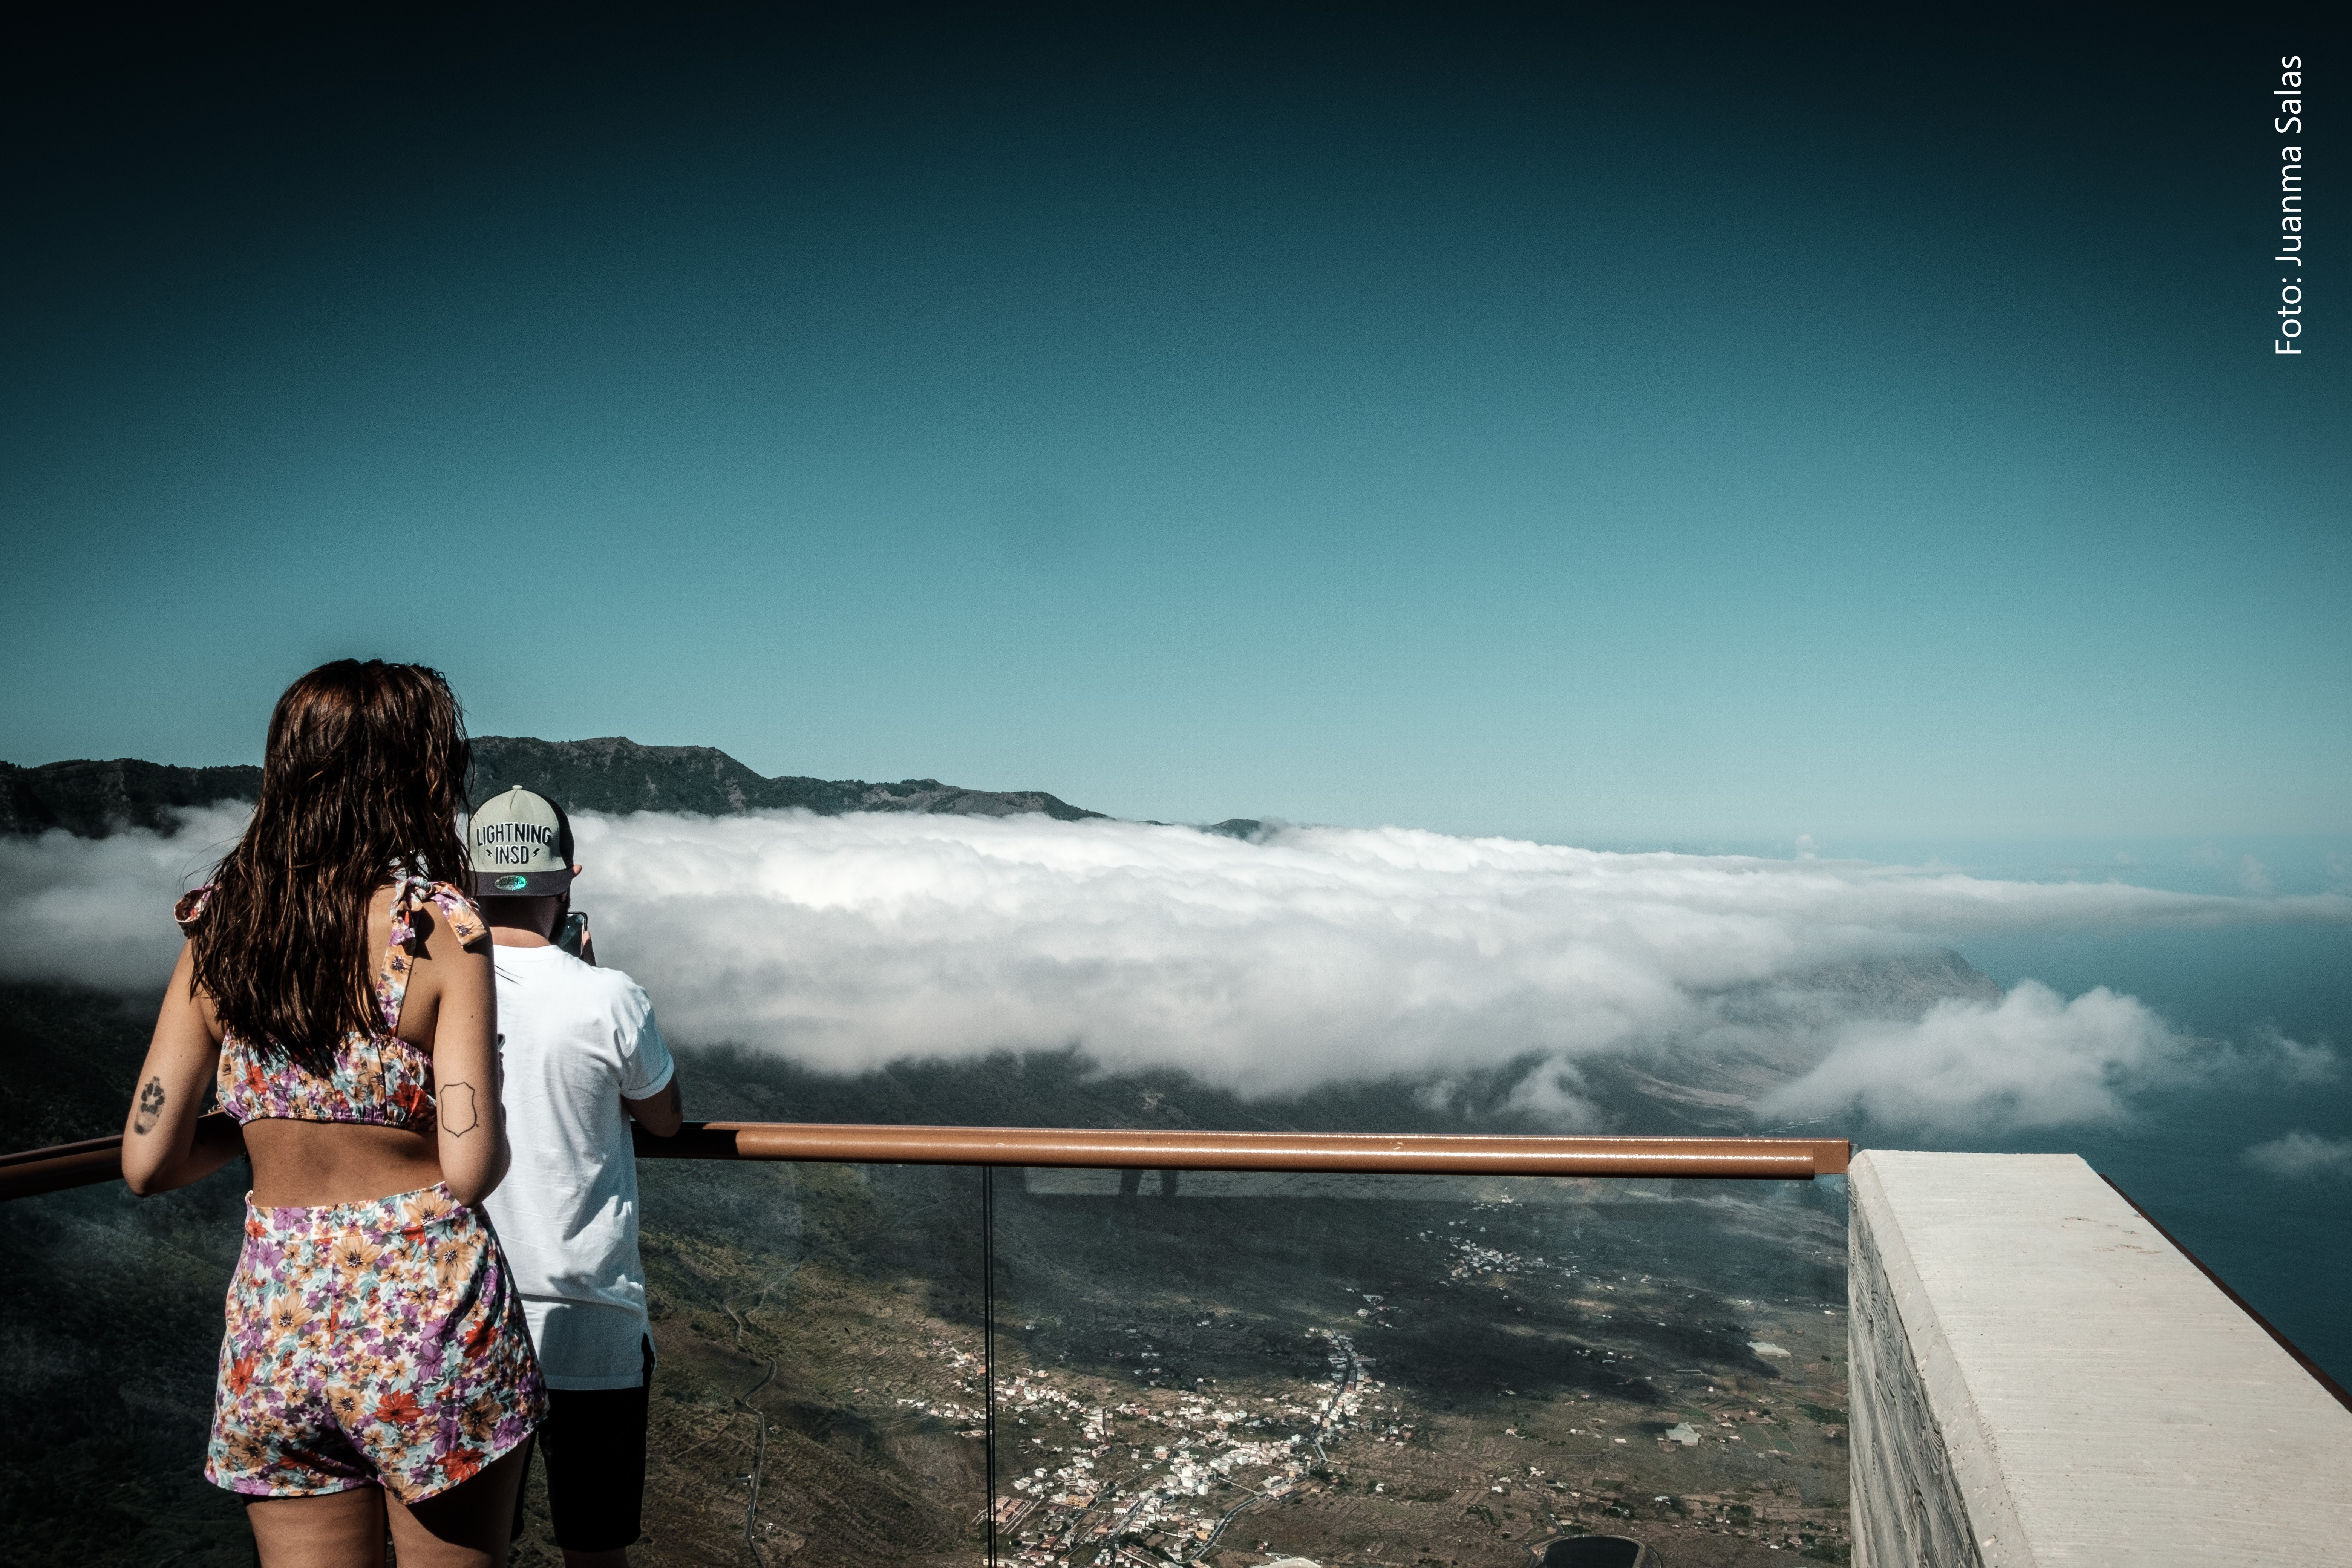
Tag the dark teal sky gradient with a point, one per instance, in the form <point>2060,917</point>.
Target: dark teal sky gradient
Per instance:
<point>1487,424</point>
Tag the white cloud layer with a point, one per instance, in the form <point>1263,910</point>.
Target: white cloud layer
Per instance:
<point>2303,1156</point>
<point>2032,1059</point>
<point>98,912</point>
<point>1320,953</point>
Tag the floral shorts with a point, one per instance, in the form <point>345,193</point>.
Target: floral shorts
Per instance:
<point>370,1343</point>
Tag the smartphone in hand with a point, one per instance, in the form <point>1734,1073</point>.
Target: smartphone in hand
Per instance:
<point>573,938</point>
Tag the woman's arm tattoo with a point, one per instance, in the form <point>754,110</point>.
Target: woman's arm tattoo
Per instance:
<point>457,1112</point>
<point>150,1107</point>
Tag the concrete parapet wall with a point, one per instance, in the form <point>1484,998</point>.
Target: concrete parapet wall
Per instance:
<point>2039,1378</point>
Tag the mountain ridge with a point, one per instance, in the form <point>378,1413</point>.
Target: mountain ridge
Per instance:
<point>611,774</point>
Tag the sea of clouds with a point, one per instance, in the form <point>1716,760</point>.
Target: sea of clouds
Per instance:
<point>1315,955</point>
<point>2302,1155</point>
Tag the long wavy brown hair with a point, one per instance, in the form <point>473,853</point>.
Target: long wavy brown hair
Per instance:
<point>364,777</point>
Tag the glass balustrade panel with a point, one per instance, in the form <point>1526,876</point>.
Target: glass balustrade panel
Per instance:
<point>1195,1367</point>
<point>820,1398</point>
<point>110,1342</point>
<point>1245,1368</point>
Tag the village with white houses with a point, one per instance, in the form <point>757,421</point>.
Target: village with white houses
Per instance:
<point>1180,1437</point>
<point>1179,1474</point>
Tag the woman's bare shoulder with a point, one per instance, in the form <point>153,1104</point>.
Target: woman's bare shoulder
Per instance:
<point>449,921</point>
<point>442,921</point>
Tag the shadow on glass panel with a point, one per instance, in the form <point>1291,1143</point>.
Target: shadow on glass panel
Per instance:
<point>819,1397</point>
<point>1597,1552</point>
<point>1242,1369</point>
<point>109,1340</point>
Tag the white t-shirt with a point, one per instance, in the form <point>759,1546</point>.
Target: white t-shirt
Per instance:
<point>574,1041</point>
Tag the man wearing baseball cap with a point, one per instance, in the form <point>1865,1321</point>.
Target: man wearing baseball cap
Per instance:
<point>581,1058</point>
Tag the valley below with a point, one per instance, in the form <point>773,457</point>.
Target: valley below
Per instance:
<point>1195,1367</point>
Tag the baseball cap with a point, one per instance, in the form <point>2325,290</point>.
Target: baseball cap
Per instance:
<point>522,846</point>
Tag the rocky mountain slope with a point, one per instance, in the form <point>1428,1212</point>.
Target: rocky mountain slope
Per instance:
<point>611,773</point>
<point>93,799</point>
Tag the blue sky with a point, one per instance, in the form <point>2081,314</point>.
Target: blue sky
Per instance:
<point>1491,426</point>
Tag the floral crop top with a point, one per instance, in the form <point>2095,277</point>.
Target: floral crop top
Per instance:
<point>379,1079</point>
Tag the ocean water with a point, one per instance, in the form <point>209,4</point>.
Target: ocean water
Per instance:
<point>2283,1243</point>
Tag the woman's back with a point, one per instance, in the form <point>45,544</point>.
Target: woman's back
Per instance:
<point>370,1127</point>
<point>391,1109</point>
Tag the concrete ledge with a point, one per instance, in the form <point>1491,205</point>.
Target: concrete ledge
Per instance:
<point>2039,1377</point>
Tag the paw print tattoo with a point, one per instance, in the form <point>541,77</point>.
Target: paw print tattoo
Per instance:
<point>150,1107</point>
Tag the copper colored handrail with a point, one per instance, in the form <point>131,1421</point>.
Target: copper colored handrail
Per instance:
<point>34,1171</point>
<point>1786,1159</point>
<point>31,1172</point>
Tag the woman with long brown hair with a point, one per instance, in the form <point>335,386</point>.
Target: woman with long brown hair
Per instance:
<point>376,1367</point>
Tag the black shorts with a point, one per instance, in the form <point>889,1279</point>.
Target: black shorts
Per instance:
<point>594,1440</point>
